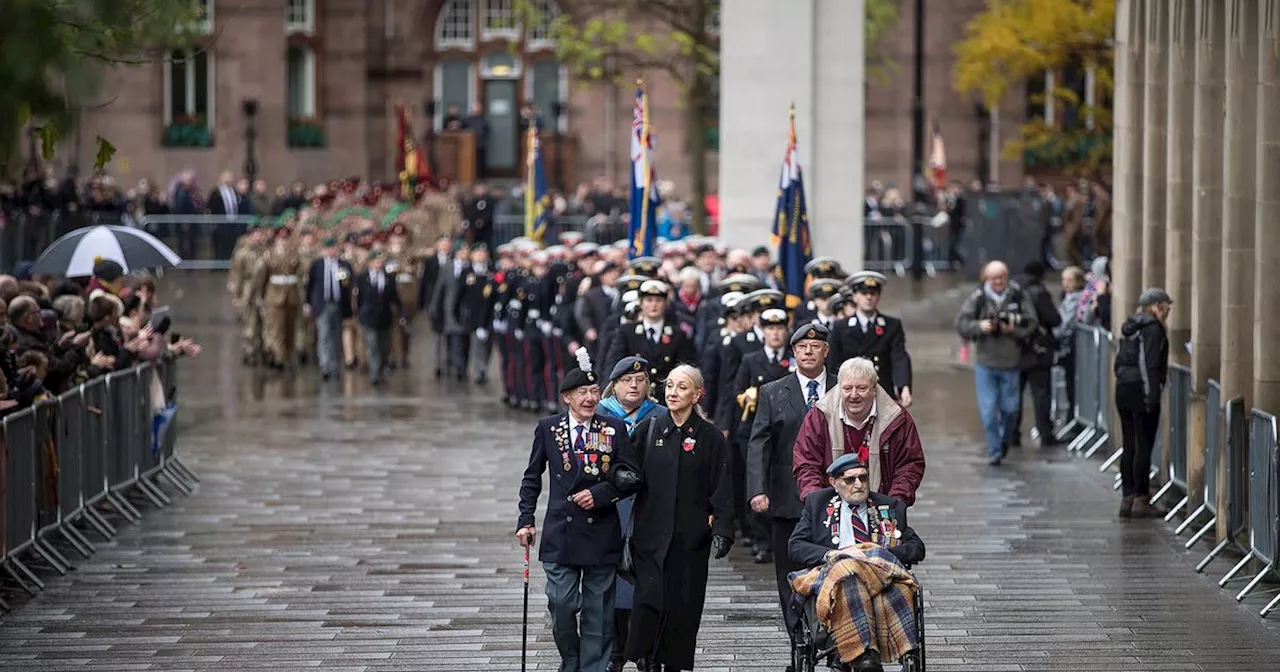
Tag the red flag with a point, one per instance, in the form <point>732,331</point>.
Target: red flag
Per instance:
<point>411,163</point>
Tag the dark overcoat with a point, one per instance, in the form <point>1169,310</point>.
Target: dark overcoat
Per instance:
<point>883,342</point>
<point>689,502</point>
<point>570,534</point>
<point>780,412</point>
<point>820,524</point>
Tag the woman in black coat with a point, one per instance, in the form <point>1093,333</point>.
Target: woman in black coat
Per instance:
<point>1142,367</point>
<point>678,521</point>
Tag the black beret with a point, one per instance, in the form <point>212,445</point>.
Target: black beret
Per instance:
<point>575,378</point>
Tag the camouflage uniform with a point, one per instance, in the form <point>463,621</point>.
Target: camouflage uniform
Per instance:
<point>283,300</point>
<point>305,326</point>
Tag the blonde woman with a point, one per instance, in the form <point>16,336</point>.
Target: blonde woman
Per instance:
<point>677,524</point>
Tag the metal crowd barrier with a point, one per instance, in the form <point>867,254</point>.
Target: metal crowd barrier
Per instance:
<point>599,230</point>
<point>1214,415</point>
<point>1091,348</point>
<point>1264,510</point>
<point>1236,470</point>
<point>205,242</point>
<point>68,461</point>
<point>25,235</point>
<point>1179,391</point>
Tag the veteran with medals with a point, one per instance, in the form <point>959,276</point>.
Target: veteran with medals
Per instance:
<point>848,523</point>
<point>591,468</point>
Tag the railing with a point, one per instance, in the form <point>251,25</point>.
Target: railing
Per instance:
<point>1179,391</point>
<point>69,461</point>
<point>1239,443</point>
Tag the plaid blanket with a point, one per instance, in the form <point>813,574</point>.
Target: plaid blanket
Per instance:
<point>865,598</point>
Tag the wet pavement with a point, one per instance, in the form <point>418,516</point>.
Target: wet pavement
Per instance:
<point>342,528</point>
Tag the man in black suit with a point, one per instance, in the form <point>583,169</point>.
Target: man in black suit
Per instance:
<point>653,336</point>
<point>592,467</point>
<point>225,200</point>
<point>849,514</point>
<point>475,309</point>
<point>875,336</point>
<point>443,315</point>
<point>766,365</point>
<point>592,310</point>
<point>781,408</point>
<point>329,303</point>
<point>378,309</point>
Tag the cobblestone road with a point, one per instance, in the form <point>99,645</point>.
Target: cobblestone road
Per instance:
<point>343,529</point>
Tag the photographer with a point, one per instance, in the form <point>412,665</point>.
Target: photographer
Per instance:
<point>998,318</point>
<point>1038,354</point>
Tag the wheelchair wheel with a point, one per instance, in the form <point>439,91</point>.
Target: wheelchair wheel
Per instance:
<point>912,662</point>
<point>803,650</point>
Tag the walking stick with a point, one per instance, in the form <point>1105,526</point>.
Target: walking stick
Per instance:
<point>524,635</point>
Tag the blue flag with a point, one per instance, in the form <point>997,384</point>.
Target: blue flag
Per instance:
<point>537,202</point>
<point>791,225</point>
<point>642,233</point>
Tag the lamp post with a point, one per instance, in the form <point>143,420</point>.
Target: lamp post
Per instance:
<point>430,107</point>
<point>250,108</point>
<point>558,109</point>
<point>919,187</point>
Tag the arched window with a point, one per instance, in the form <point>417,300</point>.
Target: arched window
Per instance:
<point>455,28</point>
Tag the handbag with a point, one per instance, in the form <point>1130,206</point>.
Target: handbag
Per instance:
<point>626,561</point>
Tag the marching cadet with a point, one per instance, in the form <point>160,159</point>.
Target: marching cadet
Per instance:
<point>405,265</point>
<point>645,266</point>
<point>875,336</point>
<point>283,299</point>
<point>537,302</point>
<point>654,336</point>
<point>591,311</point>
<point>771,362</point>
<point>616,317</point>
<point>308,250</point>
<point>731,324</point>
<point>824,267</point>
<point>818,308</point>
<point>750,340</point>
<point>247,284</point>
<point>475,310</point>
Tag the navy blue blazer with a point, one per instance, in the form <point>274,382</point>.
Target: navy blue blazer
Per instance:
<point>315,287</point>
<point>570,534</point>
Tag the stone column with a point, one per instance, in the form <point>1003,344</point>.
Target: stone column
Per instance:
<point>823,73</point>
<point>1155,118</point>
<point>1238,201</point>
<point>1126,227</point>
<point>1266,295</point>
<point>1181,136</point>
<point>1206,227</point>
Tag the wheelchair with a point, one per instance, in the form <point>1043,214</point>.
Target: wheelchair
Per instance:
<point>812,644</point>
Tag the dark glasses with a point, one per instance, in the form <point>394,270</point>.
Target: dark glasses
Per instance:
<point>850,480</point>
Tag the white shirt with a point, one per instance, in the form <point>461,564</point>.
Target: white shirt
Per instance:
<point>573,429</point>
<point>846,522</point>
<point>858,425</point>
<point>377,280</point>
<point>773,355</point>
<point>864,321</point>
<point>804,383</point>
<point>332,289</point>
<point>652,330</point>
<point>480,269</point>
<point>229,198</point>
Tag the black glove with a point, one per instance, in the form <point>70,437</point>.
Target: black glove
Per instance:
<point>626,480</point>
<point>720,546</point>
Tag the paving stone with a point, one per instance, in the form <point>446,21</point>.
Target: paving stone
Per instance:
<point>339,528</point>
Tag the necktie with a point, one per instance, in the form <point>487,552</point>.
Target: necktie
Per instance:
<point>859,528</point>
<point>774,357</point>
<point>377,280</point>
<point>331,281</point>
<point>580,443</point>
<point>653,334</point>
<point>812,398</point>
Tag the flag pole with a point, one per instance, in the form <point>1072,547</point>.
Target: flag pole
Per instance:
<point>648,173</point>
<point>529,163</point>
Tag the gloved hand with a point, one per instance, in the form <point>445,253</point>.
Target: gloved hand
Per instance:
<point>519,334</point>
<point>557,331</point>
<point>545,327</point>
<point>500,326</point>
<point>482,334</point>
<point>720,546</point>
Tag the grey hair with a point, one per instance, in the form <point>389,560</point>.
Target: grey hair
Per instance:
<point>694,376</point>
<point>858,368</point>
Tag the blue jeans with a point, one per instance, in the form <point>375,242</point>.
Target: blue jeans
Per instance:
<point>999,397</point>
<point>585,642</point>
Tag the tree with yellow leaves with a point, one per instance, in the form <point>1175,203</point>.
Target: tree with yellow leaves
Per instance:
<point>1014,41</point>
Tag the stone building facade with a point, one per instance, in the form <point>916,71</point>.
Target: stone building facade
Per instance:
<point>326,75</point>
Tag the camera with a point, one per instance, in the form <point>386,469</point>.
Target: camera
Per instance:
<point>1009,319</point>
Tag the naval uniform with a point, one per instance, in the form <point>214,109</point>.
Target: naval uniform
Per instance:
<point>665,346</point>
<point>879,338</point>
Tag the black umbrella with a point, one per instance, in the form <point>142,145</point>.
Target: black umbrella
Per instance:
<point>74,255</point>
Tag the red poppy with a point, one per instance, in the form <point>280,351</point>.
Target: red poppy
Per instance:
<point>666,339</point>
<point>688,445</point>
<point>879,331</point>
<point>786,363</point>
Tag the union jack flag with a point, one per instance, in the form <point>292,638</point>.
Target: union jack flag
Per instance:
<point>643,229</point>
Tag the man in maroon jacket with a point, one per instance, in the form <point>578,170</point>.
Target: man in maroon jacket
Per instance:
<point>858,416</point>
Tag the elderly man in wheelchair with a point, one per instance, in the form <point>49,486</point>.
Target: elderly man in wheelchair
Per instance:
<point>859,603</point>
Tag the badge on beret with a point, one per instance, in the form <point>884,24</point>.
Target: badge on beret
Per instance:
<point>811,334</point>
<point>870,282</point>
<point>635,366</point>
